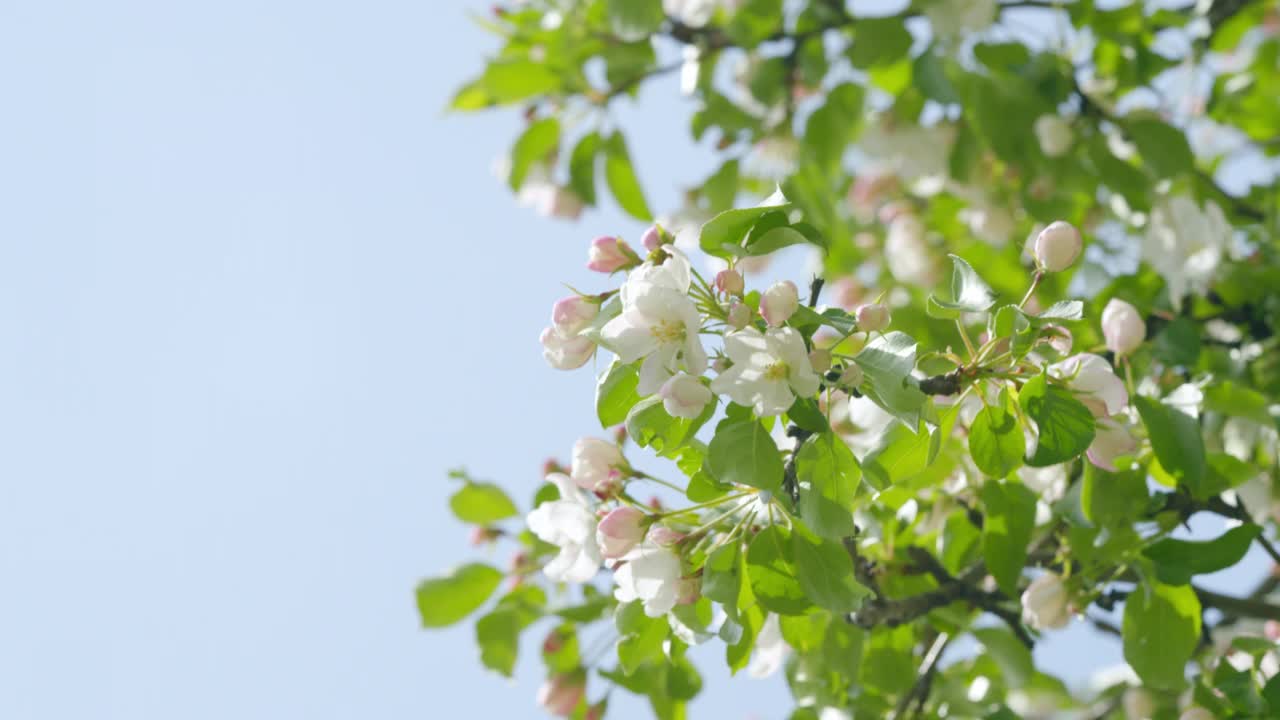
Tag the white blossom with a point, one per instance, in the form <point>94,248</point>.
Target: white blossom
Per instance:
<point>770,651</point>
<point>595,462</point>
<point>769,370</point>
<point>1053,132</point>
<point>570,524</point>
<point>658,322</point>
<point>684,396</point>
<point>956,18</point>
<point>1185,244</point>
<point>565,351</point>
<point>1110,440</point>
<point>1045,603</point>
<point>906,253</point>
<point>650,574</point>
<point>1093,381</point>
<point>694,13</point>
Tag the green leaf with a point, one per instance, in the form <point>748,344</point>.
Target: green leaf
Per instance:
<point>1177,560</point>
<point>481,504</point>
<point>830,127</point>
<point>723,234</point>
<point>772,573</point>
<point>1161,630</point>
<point>641,636</point>
<point>621,177</point>
<point>1063,310</point>
<point>805,413</point>
<point>879,42</point>
<point>1176,440</point>
<point>444,601</point>
<point>1232,398</point>
<point>887,362</point>
<point>969,293</point>
<point>1006,533</point>
<point>498,635</point>
<point>533,146</point>
<point>616,393</point>
<point>1065,425</point>
<point>1013,657</point>
<point>633,20</point>
<point>754,22</point>
<point>999,56</point>
<point>825,572</point>
<point>650,425</point>
<point>1113,499</point>
<point>510,81</point>
<point>996,441</point>
<point>582,167</point>
<point>742,452</point>
<point>1164,148</point>
<point>832,473</point>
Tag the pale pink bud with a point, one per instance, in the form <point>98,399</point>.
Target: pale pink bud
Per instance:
<point>688,592</point>
<point>561,693</point>
<point>820,360</point>
<point>1110,441</point>
<point>847,292</point>
<point>1195,712</point>
<point>595,712</point>
<point>571,314</point>
<point>852,376</point>
<point>560,202</point>
<point>610,254</point>
<point>1271,629</point>
<point>621,530</point>
<point>1057,246</point>
<point>779,302</point>
<point>664,536</point>
<point>1045,603</point>
<point>684,396</point>
<point>729,282</point>
<point>595,462</point>
<point>872,317</point>
<point>1054,135</point>
<point>1060,338</point>
<point>652,238</point>
<point>483,535</point>
<point>1122,327</point>
<point>566,352</point>
<point>1138,704</point>
<point>720,364</point>
<point>739,316</point>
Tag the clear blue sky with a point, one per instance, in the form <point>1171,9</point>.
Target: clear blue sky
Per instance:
<point>257,294</point>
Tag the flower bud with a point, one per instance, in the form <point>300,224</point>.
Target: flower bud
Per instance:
<point>852,375</point>
<point>739,315</point>
<point>1045,603</point>
<point>621,530</point>
<point>820,360</point>
<point>779,302</point>
<point>730,282</point>
<point>688,591</point>
<point>1138,704</point>
<point>565,352</point>
<point>594,462</point>
<point>571,314</point>
<point>1057,246</point>
<point>1054,135</point>
<point>872,317</point>
<point>561,693</point>
<point>684,396</point>
<point>652,238</point>
<point>720,364</point>
<point>610,254</point>
<point>1122,327</point>
<point>1195,712</point>
<point>664,536</point>
<point>481,535</point>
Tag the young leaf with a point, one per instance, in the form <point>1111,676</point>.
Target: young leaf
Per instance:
<point>1113,499</point>
<point>772,573</point>
<point>825,572</point>
<point>481,504</point>
<point>1161,629</point>
<point>1176,440</point>
<point>832,472</point>
<point>621,177</point>
<point>498,635</point>
<point>1006,533</point>
<point>744,453</point>
<point>533,145</point>
<point>887,362</point>
<point>969,293</point>
<point>446,600</point>
<point>633,20</point>
<point>996,441</point>
<point>616,393</point>
<point>582,167</point>
<point>1065,426</point>
<point>723,234</point>
<point>1177,560</point>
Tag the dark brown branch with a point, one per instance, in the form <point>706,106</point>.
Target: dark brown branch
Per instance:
<point>918,695</point>
<point>1243,607</point>
<point>946,384</point>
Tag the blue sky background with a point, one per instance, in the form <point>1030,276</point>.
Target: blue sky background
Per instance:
<point>257,294</point>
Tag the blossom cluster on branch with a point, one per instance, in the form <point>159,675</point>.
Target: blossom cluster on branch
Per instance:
<point>1031,381</point>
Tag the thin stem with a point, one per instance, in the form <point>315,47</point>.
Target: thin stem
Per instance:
<point>1035,283</point>
<point>964,335</point>
<point>702,506</point>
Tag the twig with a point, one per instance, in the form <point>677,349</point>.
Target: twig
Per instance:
<point>1244,607</point>
<point>919,692</point>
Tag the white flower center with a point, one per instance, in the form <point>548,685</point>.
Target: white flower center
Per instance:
<point>776,371</point>
<point>666,331</point>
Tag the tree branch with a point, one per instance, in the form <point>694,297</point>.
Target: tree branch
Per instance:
<point>1243,607</point>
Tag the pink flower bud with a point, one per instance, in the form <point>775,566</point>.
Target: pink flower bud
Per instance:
<point>852,376</point>
<point>779,302</point>
<point>1271,629</point>
<point>720,364</point>
<point>1138,704</point>
<point>621,530</point>
<point>730,282</point>
<point>820,360</point>
<point>847,291</point>
<point>565,352</point>
<point>664,536</point>
<point>595,712</point>
<point>684,396</point>
<point>561,693</point>
<point>739,315</point>
<point>652,238</point>
<point>872,317</point>
<point>1122,327</point>
<point>1057,246</point>
<point>483,535</point>
<point>571,314</point>
<point>690,589</point>
<point>1060,338</point>
<point>610,254</point>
